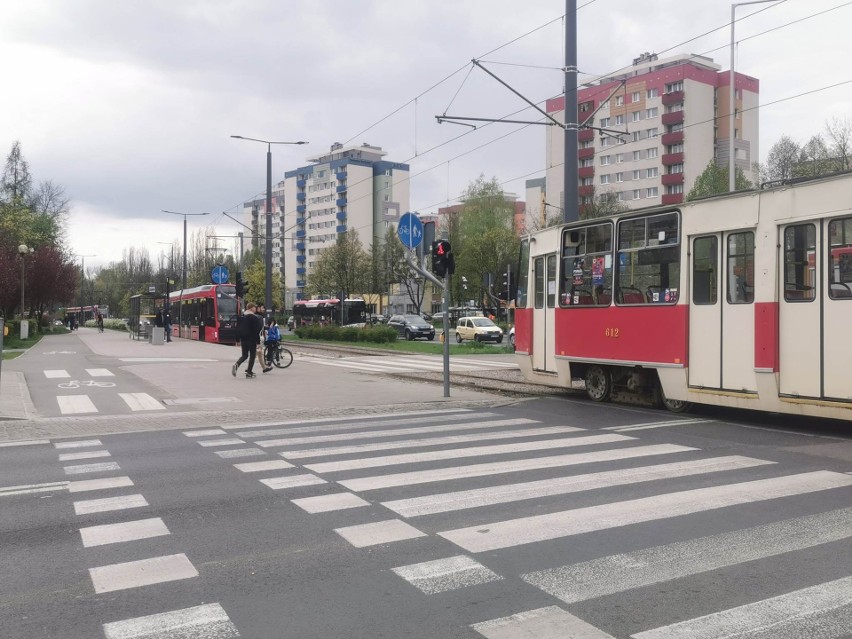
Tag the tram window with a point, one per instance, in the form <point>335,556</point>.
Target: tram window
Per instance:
<point>551,281</point>
<point>840,259</point>
<point>587,266</point>
<point>705,269</point>
<point>800,263</point>
<point>740,275</point>
<point>523,275</point>
<point>539,282</point>
<point>648,260</point>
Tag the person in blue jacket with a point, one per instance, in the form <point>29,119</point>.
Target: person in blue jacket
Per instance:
<point>273,336</point>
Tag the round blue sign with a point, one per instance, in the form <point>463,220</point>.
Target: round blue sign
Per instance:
<point>219,275</point>
<point>410,230</point>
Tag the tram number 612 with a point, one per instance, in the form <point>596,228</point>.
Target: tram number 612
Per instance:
<point>611,332</point>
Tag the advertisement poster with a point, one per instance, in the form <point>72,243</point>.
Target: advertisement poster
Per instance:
<point>598,271</point>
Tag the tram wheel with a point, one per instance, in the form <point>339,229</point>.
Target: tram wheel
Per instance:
<point>673,405</point>
<point>598,383</point>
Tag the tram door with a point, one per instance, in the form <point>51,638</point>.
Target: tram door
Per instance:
<point>800,310</point>
<point>544,305</point>
<point>837,302</point>
<point>721,314</point>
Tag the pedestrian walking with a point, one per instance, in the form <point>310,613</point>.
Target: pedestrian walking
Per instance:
<point>248,330</point>
<point>158,319</point>
<point>167,324</point>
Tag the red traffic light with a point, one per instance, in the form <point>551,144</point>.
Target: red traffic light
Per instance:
<point>442,248</point>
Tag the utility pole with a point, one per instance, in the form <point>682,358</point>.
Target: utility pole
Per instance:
<point>571,207</point>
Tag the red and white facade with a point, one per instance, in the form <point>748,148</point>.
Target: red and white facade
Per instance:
<point>673,118</point>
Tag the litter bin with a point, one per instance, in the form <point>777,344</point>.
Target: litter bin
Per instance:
<point>158,335</point>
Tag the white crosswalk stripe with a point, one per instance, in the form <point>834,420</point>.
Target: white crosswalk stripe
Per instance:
<point>141,401</point>
<point>200,622</point>
<point>72,404</point>
<point>398,364</point>
<point>56,373</point>
<point>421,465</point>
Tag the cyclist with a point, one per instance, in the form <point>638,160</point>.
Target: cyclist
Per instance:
<point>100,323</point>
<point>273,337</point>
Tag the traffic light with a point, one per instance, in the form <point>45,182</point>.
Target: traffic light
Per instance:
<point>507,286</point>
<point>442,258</point>
<point>240,289</point>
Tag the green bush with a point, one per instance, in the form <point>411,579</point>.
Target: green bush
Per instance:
<point>375,335</point>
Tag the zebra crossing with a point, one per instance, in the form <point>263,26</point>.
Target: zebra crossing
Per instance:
<point>98,382</point>
<point>492,487</point>
<point>411,364</point>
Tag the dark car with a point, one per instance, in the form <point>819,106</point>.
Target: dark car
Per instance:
<point>412,326</point>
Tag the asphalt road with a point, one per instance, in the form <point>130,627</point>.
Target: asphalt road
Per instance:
<point>548,518</point>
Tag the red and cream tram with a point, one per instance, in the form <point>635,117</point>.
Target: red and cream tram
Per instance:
<point>742,300</point>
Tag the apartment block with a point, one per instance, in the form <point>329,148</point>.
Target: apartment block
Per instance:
<point>657,124</point>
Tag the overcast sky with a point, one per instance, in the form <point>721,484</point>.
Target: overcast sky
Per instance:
<point>130,105</point>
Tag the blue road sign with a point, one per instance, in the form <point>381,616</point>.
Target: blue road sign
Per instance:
<point>410,230</point>
<point>219,275</point>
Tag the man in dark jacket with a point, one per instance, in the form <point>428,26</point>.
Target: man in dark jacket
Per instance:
<point>248,330</point>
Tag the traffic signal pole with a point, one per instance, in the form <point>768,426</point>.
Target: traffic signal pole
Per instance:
<point>445,307</point>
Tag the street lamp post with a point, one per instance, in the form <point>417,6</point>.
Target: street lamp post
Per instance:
<point>183,279</point>
<point>268,257</point>
<point>731,100</point>
<point>24,250</point>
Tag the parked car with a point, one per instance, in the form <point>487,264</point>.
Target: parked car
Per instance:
<point>512,337</point>
<point>479,329</point>
<point>412,326</point>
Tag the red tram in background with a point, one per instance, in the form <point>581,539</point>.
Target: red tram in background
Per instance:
<point>329,311</point>
<point>742,300</point>
<point>206,313</point>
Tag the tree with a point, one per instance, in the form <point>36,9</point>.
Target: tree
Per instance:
<point>16,182</point>
<point>340,269</point>
<point>714,180</point>
<point>839,132</point>
<point>601,204</point>
<point>484,241</point>
<point>781,159</point>
<point>255,278</point>
<point>51,277</point>
<point>814,159</point>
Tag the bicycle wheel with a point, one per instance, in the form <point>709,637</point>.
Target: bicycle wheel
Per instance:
<point>282,358</point>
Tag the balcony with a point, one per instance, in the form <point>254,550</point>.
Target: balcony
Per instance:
<point>672,198</point>
<point>341,201</point>
<point>675,117</point>
<point>301,283</point>
<point>672,98</point>
<point>585,135</point>
<point>341,215</point>
<point>300,184</point>
<point>301,197</point>
<point>341,188</point>
<point>300,246</point>
<point>341,228</point>
<point>586,172</point>
<point>586,153</point>
<point>672,158</point>
<point>301,208</point>
<point>672,178</point>
<point>341,176</point>
<point>672,138</point>
<point>300,221</point>
<point>301,270</point>
<point>300,233</point>
<point>301,259</point>
<point>585,191</point>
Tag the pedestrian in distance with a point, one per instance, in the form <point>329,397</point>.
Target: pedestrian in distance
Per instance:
<point>100,323</point>
<point>261,344</point>
<point>167,324</point>
<point>248,330</point>
<point>158,319</point>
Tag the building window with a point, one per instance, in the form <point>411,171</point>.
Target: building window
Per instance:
<point>674,189</point>
<point>636,194</point>
<point>676,168</point>
<point>634,117</point>
<point>588,181</point>
<point>674,86</point>
<point>619,100</point>
<point>652,172</point>
<point>605,179</point>
<point>619,119</point>
<point>619,158</point>
<point>637,155</point>
<point>586,106</point>
<point>653,192</point>
<point>653,93</point>
<point>636,174</point>
<point>605,159</point>
<point>635,96</point>
<point>619,177</point>
<point>652,152</point>
<point>653,112</point>
<point>604,122</point>
<point>676,148</point>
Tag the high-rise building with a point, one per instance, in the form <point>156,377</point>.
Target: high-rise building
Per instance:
<point>347,189</point>
<point>659,122</point>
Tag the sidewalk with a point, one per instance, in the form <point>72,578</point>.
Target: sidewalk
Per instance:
<point>197,376</point>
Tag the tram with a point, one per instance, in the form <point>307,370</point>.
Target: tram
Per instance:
<point>206,313</point>
<point>742,300</point>
<point>329,311</point>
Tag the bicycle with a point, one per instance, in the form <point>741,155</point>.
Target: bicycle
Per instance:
<point>280,357</point>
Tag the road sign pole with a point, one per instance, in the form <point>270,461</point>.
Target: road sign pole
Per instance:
<point>445,307</point>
